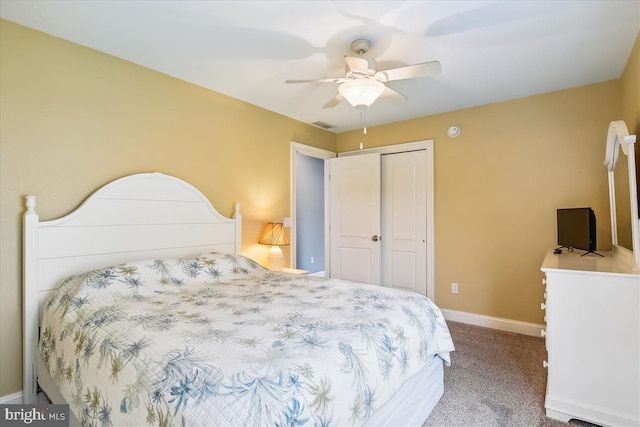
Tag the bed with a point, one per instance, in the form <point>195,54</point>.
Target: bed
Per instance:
<point>140,310</point>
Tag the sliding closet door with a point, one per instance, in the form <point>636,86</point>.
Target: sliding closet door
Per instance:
<point>354,199</point>
<point>398,252</point>
<point>404,221</point>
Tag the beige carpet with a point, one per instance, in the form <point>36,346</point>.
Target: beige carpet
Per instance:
<point>496,379</point>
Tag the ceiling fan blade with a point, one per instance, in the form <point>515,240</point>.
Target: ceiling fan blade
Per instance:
<point>330,80</point>
<point>357,65</point>
<point>390,94</point>
<point>425,69</point>
<point>334,101</point>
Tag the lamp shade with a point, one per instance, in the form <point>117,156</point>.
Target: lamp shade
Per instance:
<point>361,93</point>
<point>273,234</point>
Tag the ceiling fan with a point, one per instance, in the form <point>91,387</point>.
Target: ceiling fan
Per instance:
<point>363,84</point>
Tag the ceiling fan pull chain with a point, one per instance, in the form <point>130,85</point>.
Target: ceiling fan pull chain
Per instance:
<point>363,121</point>
<point>364,125</point>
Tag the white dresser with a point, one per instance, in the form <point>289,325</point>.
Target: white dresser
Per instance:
<point>592,339</point>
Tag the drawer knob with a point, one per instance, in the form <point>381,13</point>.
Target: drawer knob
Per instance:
<point>543,306</point>
<point>543,332</point>
<point>545,364</point>
<point>544,281</point>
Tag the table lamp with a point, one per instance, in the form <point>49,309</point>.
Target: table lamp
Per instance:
<point>273,235</point>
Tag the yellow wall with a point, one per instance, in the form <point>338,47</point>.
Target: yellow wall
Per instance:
<point>73,119</point>
<point>631,91</point>
<point>631,101</point>
<point>498,185</point>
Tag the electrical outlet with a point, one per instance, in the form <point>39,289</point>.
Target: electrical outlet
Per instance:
<point>454,288</point>
<point>312,260</point>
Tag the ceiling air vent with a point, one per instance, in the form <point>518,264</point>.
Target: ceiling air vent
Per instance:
<point>322,125</point>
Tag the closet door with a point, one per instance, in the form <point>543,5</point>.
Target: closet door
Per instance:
<point>354,206</point>
<point>404,221</point>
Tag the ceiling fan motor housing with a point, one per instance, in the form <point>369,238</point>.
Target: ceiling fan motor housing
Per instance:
<point>360,46</point>
<point>362,73</point>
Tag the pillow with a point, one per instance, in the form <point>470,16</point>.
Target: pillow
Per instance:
<point>147,277</point>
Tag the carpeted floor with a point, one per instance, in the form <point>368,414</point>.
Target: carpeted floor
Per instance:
<point>496,379</point>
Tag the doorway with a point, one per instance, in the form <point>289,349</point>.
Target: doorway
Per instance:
<point>308,211</point>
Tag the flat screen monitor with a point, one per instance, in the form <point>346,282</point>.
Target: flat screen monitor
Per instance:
<point>577,229</point>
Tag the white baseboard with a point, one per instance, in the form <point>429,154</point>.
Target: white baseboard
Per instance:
<point>508,325</point>
<point>11,399</point>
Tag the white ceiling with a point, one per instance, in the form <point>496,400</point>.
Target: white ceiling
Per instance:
<point>489,50</point>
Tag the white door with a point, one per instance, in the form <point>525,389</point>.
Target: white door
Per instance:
<point>354,206</point>
<point>404,221</point>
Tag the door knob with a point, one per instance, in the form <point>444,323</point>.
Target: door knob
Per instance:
<point>375,238</point>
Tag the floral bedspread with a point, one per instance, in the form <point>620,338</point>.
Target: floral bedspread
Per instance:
<point>217,340</point>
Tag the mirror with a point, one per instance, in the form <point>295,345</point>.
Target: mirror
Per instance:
<point>623,204</point>
<point>621,166</point>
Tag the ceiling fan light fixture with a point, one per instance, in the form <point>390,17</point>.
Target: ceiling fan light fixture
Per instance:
<point>361,93</point>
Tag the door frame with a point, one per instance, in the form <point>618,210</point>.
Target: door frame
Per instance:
<point>426,145</point>
<point>319,153</point>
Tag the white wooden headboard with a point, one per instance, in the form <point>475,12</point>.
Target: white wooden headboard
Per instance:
<point>142,216</point>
